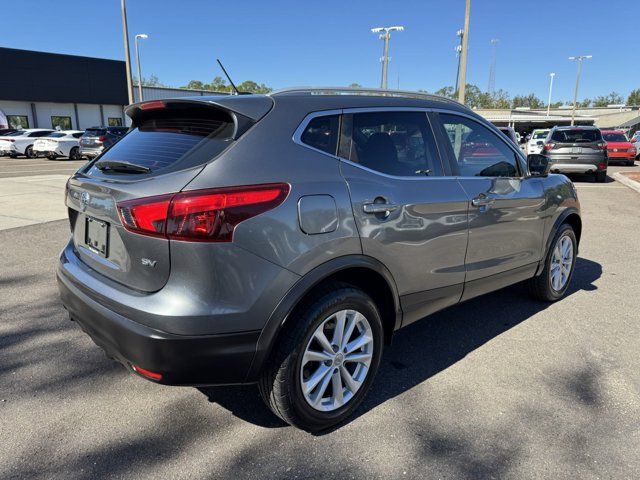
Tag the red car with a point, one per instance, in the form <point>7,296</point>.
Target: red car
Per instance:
<point>619,148</point>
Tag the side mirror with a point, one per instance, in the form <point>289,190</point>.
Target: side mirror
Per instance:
<point>538,164</point>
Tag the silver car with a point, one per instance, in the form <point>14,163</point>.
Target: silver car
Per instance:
<point>577,150</point>
<point>283,239</point>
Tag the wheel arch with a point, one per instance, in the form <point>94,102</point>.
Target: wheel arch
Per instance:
<point>569,216</point>
<point>361,271</point>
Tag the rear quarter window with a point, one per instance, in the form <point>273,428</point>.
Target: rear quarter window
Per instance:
<point>322,133</point>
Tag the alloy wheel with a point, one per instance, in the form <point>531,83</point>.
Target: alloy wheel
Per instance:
<point>336,360</point>
<point>561,263</point>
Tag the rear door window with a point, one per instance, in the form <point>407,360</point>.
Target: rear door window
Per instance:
<point>395,143</point>
<point>167,138</point>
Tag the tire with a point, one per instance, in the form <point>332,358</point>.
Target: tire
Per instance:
<point>28,152</point>
<point>74,154</point>
<point>542,286</point>
<point>52,157</point>
<point>601,177</point>
<point>281,382</point>
<point>631,163</point>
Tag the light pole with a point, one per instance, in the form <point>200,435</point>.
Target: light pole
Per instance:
<point>127,54</point>
<point>579,59</point>
<point>385,34</point>
<point>143,36</point>
<point>551,75</point>
<point>463,56</point>
<point>492,68</point>
<point>459,33</point>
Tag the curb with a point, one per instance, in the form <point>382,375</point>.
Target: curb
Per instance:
<point>632,184</point>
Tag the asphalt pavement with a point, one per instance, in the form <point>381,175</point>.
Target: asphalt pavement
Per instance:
<point>499,387</point>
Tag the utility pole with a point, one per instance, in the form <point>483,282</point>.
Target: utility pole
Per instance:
<point>492,68</point>
<point>143,36</point>
<point>463,55</point>
<point>579,59</point>
<point>460,34</point>
<point>385,34</point>
<point>551,75</point>
<point>127,54</point>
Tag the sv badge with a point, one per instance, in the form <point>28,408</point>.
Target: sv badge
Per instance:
<point>147,262</point>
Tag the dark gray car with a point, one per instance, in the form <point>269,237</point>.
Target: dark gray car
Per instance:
<point>283,239</point>
<point>97,139</point>
<point>577,150</point>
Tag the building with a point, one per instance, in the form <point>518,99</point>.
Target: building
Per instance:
<point>47,90</point>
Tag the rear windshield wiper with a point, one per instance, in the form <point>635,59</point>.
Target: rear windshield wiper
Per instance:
<point>120,167</point>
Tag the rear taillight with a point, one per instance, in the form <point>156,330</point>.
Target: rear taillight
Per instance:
<point>600,146</point>
<point>549,146</point>
<point>103,138</point>
<point>200,215</point>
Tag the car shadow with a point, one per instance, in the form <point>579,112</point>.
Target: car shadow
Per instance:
<point>424,348</point>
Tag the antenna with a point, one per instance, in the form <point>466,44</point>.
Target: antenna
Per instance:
<point>233,85</point>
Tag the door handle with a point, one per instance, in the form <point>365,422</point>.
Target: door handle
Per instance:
<point>385,208</point>
<point>482,201</point>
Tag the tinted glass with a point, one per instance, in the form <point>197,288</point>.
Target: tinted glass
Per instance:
<point>578,135</point>
<point>540,135</point>
<point>118,131</point>
<point>322,133</point>
<point>395,143</point>
<point>478,151</point>
<point>614,137</point>
<point>40,134</point>
<point>56,135</point>
<point>77,135</point>
<point>63,122</point>
<point>158,143</point>
<point>95,132</point>
<point>114,121</point>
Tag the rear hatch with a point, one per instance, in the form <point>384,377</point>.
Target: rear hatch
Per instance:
<point>168,145</point>
<point>92,137</point>
<point>579,145</point>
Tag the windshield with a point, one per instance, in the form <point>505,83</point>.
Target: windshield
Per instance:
<point>540,134</point>
<point>582,135</point>
<point>614,137</point>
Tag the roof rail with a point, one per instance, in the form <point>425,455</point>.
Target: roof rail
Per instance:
<point>361,91</point>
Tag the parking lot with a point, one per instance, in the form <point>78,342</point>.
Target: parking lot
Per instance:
<point>499,387</point>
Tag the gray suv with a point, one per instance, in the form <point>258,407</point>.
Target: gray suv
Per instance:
<point>577,150</point>
<point>282,239</point>
<point>97,139</point>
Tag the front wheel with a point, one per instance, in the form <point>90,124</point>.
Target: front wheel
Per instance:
<point>28,152</point>
<point>553,282</point>
<point>325,360</point>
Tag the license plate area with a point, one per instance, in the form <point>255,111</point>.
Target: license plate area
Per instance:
<point>96,236</point>
<point>576,150</point>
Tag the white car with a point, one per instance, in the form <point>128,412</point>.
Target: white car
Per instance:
<point>21,142</point>
<point>636,143</point>
<point>65,143</point>
<point>536,142</point>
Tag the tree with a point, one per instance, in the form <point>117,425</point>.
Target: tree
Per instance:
<point>613,98</point>
<point>531,101</point>
<point>252,87</point>
<point>355,85</point>
<point>152,81</point>
<point>446,92</point>
<point>634,97</point>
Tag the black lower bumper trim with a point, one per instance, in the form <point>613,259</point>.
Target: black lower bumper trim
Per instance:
<point>182,360</point>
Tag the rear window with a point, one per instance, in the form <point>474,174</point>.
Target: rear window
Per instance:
<point>56,135</point>
<point>95,132</point>
<point>118,131</point>
<point>539,135</point>
<point>184,138</point>
<point>576,136</point>
<point>614,137</point>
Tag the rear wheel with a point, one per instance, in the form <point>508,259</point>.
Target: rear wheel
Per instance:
<point>601,176</point>
<point>28,152</point>
<point>631,163</point>
<point>52,157</point>
<point>552,283</point>
<point>74,154</point>
<point>324,362</point>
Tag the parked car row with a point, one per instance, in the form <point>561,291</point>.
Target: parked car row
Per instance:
<point>73,144</point>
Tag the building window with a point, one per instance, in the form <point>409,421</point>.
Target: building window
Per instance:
<point>115,122</point>
<point>63,122</point>
<point>17,121</point>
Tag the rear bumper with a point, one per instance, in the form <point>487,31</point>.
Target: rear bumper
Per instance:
<point>181,359</point>
<point>574,168</point>
<point>90,152</point>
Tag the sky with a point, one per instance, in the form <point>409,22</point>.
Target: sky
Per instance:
<point>328,42</point>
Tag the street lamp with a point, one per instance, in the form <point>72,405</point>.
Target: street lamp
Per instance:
<point>551,75</point>
<point>464,53</point>
<point>460,34</point>
<point>385,34</point>
<point>143,36</point>
<point>579,59</point>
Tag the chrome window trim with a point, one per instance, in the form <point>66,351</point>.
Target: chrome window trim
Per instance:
<point>297,137</point>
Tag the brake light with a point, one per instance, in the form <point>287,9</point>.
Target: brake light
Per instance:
<point>102,138</point>
<point>601,146</point>
<point>200,215</point>
<point>155,105</point>
<point>549,146</point>
<point>147,373</point>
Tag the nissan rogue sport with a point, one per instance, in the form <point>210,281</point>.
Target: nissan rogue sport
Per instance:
<point>282,239</point>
